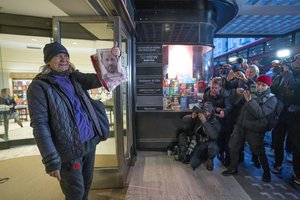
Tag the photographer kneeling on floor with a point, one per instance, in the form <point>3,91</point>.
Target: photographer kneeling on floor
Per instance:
<point>202,143</point>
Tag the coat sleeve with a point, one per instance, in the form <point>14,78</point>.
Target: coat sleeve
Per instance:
<point>39,121</point>
<point>212,128</point>
<point>261,111</point>
<point>87,81</point>
<point>290,82</point>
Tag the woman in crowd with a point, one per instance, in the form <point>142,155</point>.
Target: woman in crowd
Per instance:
<point>252,124</point>
<point>8,100</point>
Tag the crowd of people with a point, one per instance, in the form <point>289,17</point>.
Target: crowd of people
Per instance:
<point>244,101</point>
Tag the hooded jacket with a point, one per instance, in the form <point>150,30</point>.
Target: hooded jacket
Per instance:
<point>52,118</point>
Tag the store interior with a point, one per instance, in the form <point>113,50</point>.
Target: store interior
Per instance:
<point>20,60</point>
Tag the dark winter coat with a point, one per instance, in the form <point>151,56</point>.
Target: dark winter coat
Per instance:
<point>292,87</point>
<point>52,118</point>
<point>253,115</point>
<point>211,127</point>
<point>222,100</point>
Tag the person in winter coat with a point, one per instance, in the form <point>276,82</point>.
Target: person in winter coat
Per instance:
<point>202,143</point>
<point>8,100</point>
<point>252,124</point>
<point>291,79</point>
<point>280,131</point>
<point>219,97</point>
<point>64,122</point>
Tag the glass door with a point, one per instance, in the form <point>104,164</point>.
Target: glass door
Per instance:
<point>82,36</point>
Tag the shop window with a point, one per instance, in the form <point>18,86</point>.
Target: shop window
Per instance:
<point>185,68</point>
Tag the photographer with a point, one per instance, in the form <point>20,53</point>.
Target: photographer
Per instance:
<point>251,125</point>
<point>291,79</point>
<point>219,97</point>
<point>247,82</point>
<point>279,132</point>
<point>233,78</point>
<point>206,130</point>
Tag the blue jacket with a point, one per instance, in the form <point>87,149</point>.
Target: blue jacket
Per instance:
<point>52,118</point>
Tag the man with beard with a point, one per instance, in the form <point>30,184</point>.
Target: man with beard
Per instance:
<point>114,75</point>
<point>291,79</point>
<point>222,106</point>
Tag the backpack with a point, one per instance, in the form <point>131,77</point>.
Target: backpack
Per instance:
<point>102,118</point>
<point>274,116</point>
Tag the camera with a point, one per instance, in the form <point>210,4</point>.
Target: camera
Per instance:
<point>240,60</point>
<point>223,70</point>
<point>197,110</point>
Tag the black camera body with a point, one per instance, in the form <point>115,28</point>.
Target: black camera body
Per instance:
<point>223,70</point>
<point>240,60</point>
<point>252,88</point>
<point>197,110</point>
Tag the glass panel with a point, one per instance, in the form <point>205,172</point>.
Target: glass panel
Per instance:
<point>20,59</point>
<point>82,40</point>
<point>185,75</point>
<point>278,43</point>
<point>256,50</point>
<point>125,93</point>
<point>243,53</point>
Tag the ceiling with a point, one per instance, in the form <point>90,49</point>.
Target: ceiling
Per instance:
<point>263,18</point>
<point>254,18</point>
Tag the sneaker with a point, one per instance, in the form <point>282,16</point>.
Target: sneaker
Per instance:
<point>271,153</point>
<point>210,164</point>
<point>276,169</point>
<point>297,180</point>
<point>289,157</point>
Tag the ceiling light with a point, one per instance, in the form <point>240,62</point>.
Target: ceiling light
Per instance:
<point>33,39</point>
<point>75,43</point>
<point>283,53</point>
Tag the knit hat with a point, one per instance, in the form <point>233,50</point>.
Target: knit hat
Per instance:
<point>52,49</point>
<point>264,79</point>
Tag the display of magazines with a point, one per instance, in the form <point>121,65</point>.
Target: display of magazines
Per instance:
<point>108,68</point>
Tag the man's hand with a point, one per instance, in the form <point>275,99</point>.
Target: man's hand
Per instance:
<point>240,90</point>
<point>247,95</point>
<point>221,114</point>
<point>56,174</point>
<point>285,68</point>
<point>230,75</point>
<point>241,76</point>
<point>194,115</point>
<point>116,50</point>
<point>202,117</point>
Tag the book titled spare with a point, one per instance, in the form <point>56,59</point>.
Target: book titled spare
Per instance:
<point>108,68</point>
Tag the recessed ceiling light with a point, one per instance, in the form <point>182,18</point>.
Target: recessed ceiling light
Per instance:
<point>75,43</point>
<point>33,39</point>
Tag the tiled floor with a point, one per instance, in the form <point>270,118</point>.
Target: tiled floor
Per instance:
<point>16,133</point>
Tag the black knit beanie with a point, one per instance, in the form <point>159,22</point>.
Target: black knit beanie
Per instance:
<point>52,49</point>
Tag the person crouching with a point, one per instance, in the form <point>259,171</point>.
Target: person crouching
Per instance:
<point>206,132</point>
